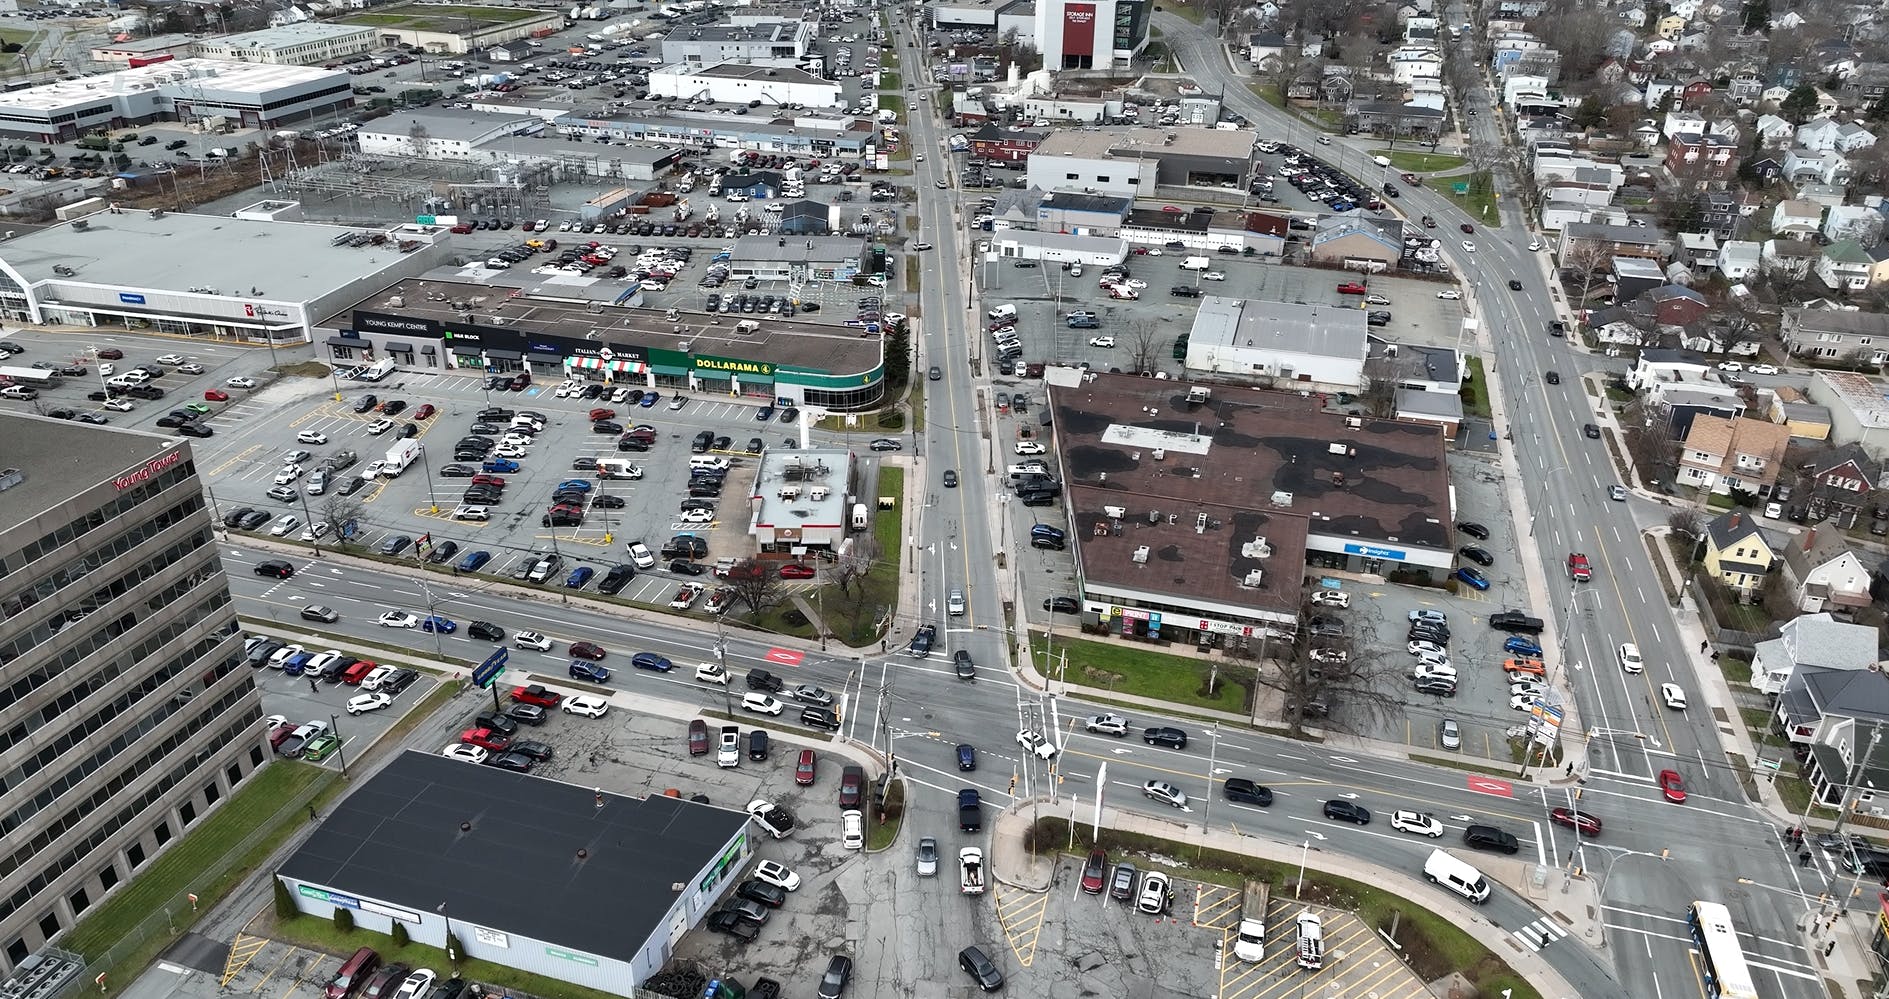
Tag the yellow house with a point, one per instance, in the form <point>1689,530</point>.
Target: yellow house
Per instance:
<point>1878,265</point>
<point>1670,27</point>
<point>1737,552</point>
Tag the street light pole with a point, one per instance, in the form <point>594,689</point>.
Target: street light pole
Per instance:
<point>452,955</point>
<point>341,745</point>
<point>1213,757</point>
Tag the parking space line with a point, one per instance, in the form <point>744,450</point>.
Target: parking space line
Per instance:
<point>1021,915</point>
<point>242,950</point>
<point>1216,907</point>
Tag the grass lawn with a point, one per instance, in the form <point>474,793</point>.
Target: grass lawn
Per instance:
<point>1737,672</point>
<point>25,39</point>
<point>320,934</point>
<point>209,860</point>
<point>893,102</point>
<point>1143,672</point>
<point>879,589</point>
<point>1479,202</point>
<point>1418,162</point>
<point>880,835</point>
<point>1476,390</point>
<point>1432,945</point>
<point>890,81</point>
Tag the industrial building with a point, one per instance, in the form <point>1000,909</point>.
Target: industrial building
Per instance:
<point>423,133</point>
<point>455,28</point>
<point>1196,515</point>
<point>1130,162</point>
<point>1317,347</point>
<point>127,713</point>
<point>799,133</point>
<point>754,41</point>
<point>253,277</point>
<point>734,83</point>
<point>307,44</point>
<point>244,95</point>
<point>597,888</point>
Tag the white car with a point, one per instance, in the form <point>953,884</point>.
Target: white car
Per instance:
<point>1730,366</point>
<point>696,516</point>
<point>620,394</point>
<point>640,555</point>
<point>1213,276</point>
<point>1523,702</point>
<point>776,874</point>
<point>760,704</point>
<point>852,829</point>
<point>119,406</point>
<point>1533,245</point>
<point>532,640</point>
<point>399,619</point>
<point>509,451</point>
<point>1036,743</point>
<point>315,531</point>
<point>1331,657</point>
<point>373,469</point>
<point>1428,670</point>
<point>316,665</point>
<point>284,524</point>
<point>240,382</point>
<point>1469,247</point>
<point>191,368</point>
<point>517,440</point>
<point>1155,893</point>
<point>1416,823</point>
<point>363,703</point>
<point>108,369</point>
<point>1101,341</point>
<point>1763,369</point>
<point>380,426</point>
<point>564,390</point>
<point>1674,697</point>
<point>372,681</point>
<point>464,751</point>
<point>1533,688</point>
<point>1331,598</point>
<point>1449,293</point>
<point>1030,447</point>
<point>312,437</point>
<point>171,359</point>
<point>1162,791</point>
<point>1630,660</point>
<point>1109,724</point>
<point>586,705</point>
<point>1376,300</point>
<point>416,985</point>
<point>1422,648</point>
<point>284,654</point>
<point>1135,283</point>
<point>288,474</point>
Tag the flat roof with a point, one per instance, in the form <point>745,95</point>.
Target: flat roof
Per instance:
<point>450,126</point>
<point>770,74</point>
<point>220,75</point>
<point>1244,323</point>
<point>802,489</point>
<point>59,459</point>
<point>759,29</point>
<point>1133,142</point>
<point>798,249</point>
<point>155,43</point>
<point>288,34</point>
<point>1256,464</point>
<point>500,849</point>
<point>177,251</point>
<point>835,349</point>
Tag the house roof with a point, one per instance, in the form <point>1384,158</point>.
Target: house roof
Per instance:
<point>1845,693</point>
<point>1815,548</point>
<point>1844,454</point>
<point>1846,251</point>
<point>1822,641</point>
<point>1732,526</point>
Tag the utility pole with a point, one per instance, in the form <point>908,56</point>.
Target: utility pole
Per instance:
<point>1856,775</point>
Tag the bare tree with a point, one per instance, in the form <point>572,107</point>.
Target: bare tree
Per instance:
<point>336,511</point>
<point>1316,672</point>
<point>1143,347</point>
<point>1377,389</point>
<point>1586,262</point>
<point>755,586</point>
<point>1650,445</point>
<point>849,573</point>
<point>1686,521</point>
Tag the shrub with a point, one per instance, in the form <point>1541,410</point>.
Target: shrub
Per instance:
<point>344,919</point>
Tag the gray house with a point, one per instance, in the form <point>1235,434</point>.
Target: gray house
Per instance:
<point>1814,640</point>
<point>1840,718</point>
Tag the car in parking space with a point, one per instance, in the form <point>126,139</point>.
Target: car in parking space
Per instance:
<point>1584,823</point>
<point>1534,667</point>
<point>1165,736</point>
<point>1121,886</point>
<point>473,561</point>
<point>1449,734</point>
<point>1476,554</point>
<point>839,971</point>
<point>805,768</point>
<point>756,890</point>
<point>734,923</point>
<point>981,968</point>
<point>777,874</point>
<point>1155,893</point>
<point>1346,810</point>
<point>1331,598</point>
<point>1450,294</point>
<point>1521,645</point>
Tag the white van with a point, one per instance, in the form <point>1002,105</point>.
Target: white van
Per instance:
<point>1456,875</point>
<point>618,468</point>
<point>1003,312</point>
<point>1196,264</point>
<point>708,461</point>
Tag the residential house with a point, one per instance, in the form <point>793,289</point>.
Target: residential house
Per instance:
<point>1740,259</point>
<point>1819,135</point>
<point>1879,265</point>
<point>1686,123</point>
<point>1857,222</point>
<point>1852,136</point>
<point>1264,49</point>
<point>1845,477</point>
<point>1829,167</point>
<point>1806,421</point>
<point>1657,91</point>
<point>996,143</point>
<point>1790,258</point>
<point>1822,572</point>
<point>1696,93</point>
<point>1765,168</point>
<point>1670,27</point>
<point>1773,132</point>
<point>1411,62</point>
<point>1845,266</point>
<point>1743,89</point>
<point>1702,157</point>
<point>1718,213</point>
<point>1696,250</point>
<point>1738,552</point>
<point>1722,455</point>
<point>1831,333</point>
<point>1619,240</point>
<point>1675,305</point>
<point>1797,219</point>
<point>1816,641</point>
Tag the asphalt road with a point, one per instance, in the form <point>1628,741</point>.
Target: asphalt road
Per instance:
<point>1631,737</point>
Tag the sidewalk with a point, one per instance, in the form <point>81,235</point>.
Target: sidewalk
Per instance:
<point>1012,866</point>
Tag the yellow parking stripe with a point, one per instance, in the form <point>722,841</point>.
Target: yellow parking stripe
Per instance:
<point>242,950</point>
<point>1021,916</point>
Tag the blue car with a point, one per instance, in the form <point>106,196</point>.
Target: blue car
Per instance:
<point>581,670</point>
<point>1475,579</point>
<point>651,661</point>
<point>650,399</point>
<point>578,484</point>
<point>433,622</point>
<point>474,560</point>
<point>579,576</point>
<point>501,465</point>
<point>764,414</point>
<point>296,663</point>
<point>967,757</point>
<point>1522,646</point>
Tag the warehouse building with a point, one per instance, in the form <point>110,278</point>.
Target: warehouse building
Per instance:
<point>1130,162</point>
<point>734,83</point>
<point>307,44</point>
<point>754,41</point>
<point>597,889</point>
<point>248,278</point>
<point>456,28</point>
<point>180,90</point>
<point>1196,516</point>
<point>1317,347</point>
<point>127,714</point>
<point>795,133</point>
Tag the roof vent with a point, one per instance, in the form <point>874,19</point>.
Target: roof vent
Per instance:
<point>1159,453</point>
<point>1281,498</point>
<point>1115,512</point>
<point>1337,448</point>
<point>1200,523</point>
<point>1140,557</point>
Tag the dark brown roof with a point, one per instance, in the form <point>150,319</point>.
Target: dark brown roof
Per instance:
<point>1256,464</point>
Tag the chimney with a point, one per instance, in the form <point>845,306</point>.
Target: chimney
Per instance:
<point>1810,539</point>
<point>1736,517</point>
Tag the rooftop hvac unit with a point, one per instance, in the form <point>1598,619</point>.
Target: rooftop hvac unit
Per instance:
<point>396,302</point>
<point>1115,512</point>
<point>1200,523</point>
<point>817,493</point>
<point>1336,448</point>
<point>1252,578</point>
<point>1256,548</point>
<point>1354,422</point>
<point>1154,517</point>
<point>1159,453</point>
<point>1140,556</point>
<point>1281,498</point>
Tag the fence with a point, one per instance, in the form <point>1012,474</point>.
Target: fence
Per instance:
<point>1710,603</point>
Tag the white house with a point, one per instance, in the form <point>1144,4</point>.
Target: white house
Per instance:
<point>1773,132</point>
<point>1827,167</point>
<point>1811,640</point>
<point>1818,135</point>
<point>1739,259</point>
<point>1683,123</point>
<point>1413,62</point>
<point>1796,218</point>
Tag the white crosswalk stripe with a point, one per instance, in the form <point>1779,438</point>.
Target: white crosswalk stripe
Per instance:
<point>1540,933</point>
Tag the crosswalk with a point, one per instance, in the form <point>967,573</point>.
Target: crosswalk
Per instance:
<point>1540,933</point>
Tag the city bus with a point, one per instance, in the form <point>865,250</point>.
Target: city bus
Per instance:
<point>1721,960</point>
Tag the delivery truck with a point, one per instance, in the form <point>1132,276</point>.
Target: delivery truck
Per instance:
<point>402,454</point>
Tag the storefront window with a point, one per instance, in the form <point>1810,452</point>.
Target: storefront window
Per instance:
<point>343,353</point>
<point>859,398</point>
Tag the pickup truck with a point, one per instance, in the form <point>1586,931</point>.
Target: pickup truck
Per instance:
<point>1511,620</point>
<point>730,753</point>
<point>971,871</point>
<point>970,811</point>
<point>1250,945</point>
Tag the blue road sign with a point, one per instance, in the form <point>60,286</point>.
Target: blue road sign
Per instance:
<point>487,671</point>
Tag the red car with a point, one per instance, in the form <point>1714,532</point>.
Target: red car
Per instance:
<point>1672,786</point>
<point>587,650</point>
<point>424,412</point>
<point>1582,822</point>
<point>1352,288</point>
<point>794,570</point>
<point>804,769</point>
<point>485,738</point>
<point>216,395</point>
<point>602,414</point>
<point>536,694</point>
<point>1095,871</point>
<point>1466,227</point>
<point>111,354</point>
<point>489,480</point>
<point>698,738</point>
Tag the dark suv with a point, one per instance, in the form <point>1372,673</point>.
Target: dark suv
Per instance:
<point>1481,837</point>
<point>1340,808</point>
<point>760,679</point>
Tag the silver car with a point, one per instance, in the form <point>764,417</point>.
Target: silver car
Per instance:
<point>927,857</point>
<point>1449,734</point>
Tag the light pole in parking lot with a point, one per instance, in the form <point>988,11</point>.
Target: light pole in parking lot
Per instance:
<point>426,470</point>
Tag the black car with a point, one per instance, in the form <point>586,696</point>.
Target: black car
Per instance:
<point>818,717</point>
<point>1481,837</point>
<point>516,762</point>
<point>354,485</point>
<point>757,745</point>
<point>762,892</point>
<point>981,969</point>
<point>1061,605</point>
<point>1551,377</point>
<point>458,471</point>
<point>538,751</point>
<point>762,680</point>
<point>1511,620</point>
<point>735,924</point>
<point>1172,738</point>
<point>1476,554</point>
<point>443,551</point>
<point>1590,431</point>
<point>253,520</point>
<point>1246,792</point>
<point>839,971</point>
<point>701,442</point>
<point>491,413</point>
<point>496,722</point>
<point>606,427</point>
<point>687,568</point>
<point>234,517</point>
<point>1474,530</point>
<point>317,612</point>
<point>530,714</point>
<point>485,631</point>
<point>1342,809</point>
<point>398,681</point>
<point>617,578</point>
<point>365,403</point>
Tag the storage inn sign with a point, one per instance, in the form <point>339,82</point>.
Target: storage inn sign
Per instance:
<point>734,366</point>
